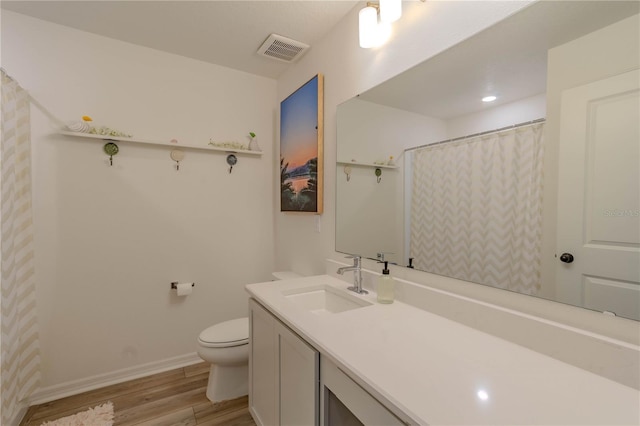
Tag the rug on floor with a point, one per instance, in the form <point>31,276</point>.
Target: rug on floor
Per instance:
<point>101,415</point>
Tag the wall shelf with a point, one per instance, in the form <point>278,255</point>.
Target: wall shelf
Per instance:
<point>168,144</point>
<point>362,164</point>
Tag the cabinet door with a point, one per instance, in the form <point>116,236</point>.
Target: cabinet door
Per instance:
<point>299,380</point>
<point>263,377</point>
<point>345,403</point>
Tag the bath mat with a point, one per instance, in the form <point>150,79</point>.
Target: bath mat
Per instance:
<point>101,415</point>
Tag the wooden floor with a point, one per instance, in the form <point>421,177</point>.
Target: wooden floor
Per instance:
<point>176,397</point>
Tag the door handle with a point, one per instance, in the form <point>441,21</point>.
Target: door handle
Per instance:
<point>566,257</point>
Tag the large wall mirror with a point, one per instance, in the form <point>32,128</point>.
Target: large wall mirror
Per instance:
<point>536,192</point>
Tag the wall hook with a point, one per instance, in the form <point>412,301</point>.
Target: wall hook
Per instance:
<point>378,174</point>
<point>232,160</point>
<point>110,149</point>
<point>177,156</point>
<point>347,171</point>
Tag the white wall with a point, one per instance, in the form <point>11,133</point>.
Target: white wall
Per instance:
<point>371,132</point>
<point>424,30</point>
<point>520,111</point>
<point>109,240</point>
<point>371,219</point>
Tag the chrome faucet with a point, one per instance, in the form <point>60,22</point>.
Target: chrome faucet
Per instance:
<point>357,274</point>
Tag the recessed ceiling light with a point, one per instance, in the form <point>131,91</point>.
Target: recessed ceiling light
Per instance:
<point>489,98</point>
<point>483,395</point>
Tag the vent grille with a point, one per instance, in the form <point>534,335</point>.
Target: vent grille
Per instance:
<point>282,48</point>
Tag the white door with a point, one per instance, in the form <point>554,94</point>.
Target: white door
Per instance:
<point>599,196</point>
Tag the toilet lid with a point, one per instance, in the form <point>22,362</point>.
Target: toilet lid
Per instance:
<point>229,333</point>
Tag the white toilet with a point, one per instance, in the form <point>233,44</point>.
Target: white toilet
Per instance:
<point>226,347</point>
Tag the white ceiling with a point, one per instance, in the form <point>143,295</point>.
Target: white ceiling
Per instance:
<point>226,33</point>
<point>508,59</point>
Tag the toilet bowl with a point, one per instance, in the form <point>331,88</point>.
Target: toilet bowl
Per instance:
<point>226,347</point>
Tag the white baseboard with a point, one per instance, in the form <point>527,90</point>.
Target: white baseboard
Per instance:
<point>75,387</point>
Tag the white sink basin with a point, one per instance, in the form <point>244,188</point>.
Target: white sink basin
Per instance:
<point>324,299</point>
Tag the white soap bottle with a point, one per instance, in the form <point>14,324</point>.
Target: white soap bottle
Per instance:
<point>385,286</point>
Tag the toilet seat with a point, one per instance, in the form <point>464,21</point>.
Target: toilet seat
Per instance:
<point>226,334</point>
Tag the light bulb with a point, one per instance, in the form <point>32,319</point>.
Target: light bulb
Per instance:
<point>390,10</point>
<point>372,32</point>
<point>368,22</point>
<point>483,395</point>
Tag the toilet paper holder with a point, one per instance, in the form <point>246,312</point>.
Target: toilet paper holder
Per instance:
<point>174,285</point>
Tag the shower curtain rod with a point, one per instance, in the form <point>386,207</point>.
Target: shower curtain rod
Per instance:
<point>513,126</point>
<point>6,73</point>
<point>35,102</point>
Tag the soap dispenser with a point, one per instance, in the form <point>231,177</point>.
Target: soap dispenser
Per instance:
<point>385,286</point>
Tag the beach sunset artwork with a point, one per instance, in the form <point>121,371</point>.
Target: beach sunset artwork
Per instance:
<point>301,137</point>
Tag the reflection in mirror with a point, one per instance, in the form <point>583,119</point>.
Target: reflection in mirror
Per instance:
<point>508,208</point>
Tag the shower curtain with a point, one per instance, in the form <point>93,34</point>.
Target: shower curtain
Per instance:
<point>476,209</point>
<point>20,358</point>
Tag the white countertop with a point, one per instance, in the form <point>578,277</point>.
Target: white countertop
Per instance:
<point>433,369</point>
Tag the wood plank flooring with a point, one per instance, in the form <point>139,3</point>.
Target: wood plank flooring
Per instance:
<point>175,397</point>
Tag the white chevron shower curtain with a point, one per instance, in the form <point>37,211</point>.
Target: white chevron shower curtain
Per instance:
<point>19,366</point>
<point>476,209</point>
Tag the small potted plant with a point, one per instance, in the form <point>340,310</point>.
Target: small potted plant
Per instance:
<point>253,143</point>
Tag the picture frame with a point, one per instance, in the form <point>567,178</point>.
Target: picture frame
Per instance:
<point>301,148</point>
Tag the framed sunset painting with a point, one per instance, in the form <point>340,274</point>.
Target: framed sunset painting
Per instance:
<point>301,149</point>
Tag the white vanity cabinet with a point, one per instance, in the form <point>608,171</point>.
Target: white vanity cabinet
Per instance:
<point>290,384</point>
<point>345,403</point>
<point>373,369</point>
<point>262,365</point>
<point>283,373</point>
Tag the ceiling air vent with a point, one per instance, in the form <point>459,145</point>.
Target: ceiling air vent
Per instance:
<point>282,48</point>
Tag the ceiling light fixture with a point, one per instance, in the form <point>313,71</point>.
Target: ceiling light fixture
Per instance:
<point>375,31</point>
<point>489,98</point>
<point>368,24</point>
<point>483,395</point>
<point>390,10</point>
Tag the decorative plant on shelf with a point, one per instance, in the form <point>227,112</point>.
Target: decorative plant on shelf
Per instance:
<point>227,145</point>
<point>253,144</point>
<point>86,126</point>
